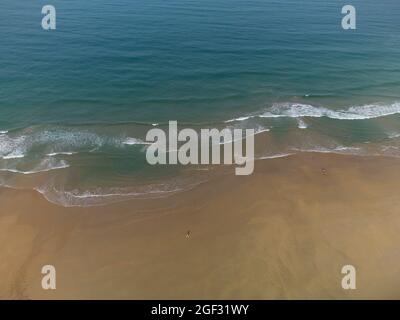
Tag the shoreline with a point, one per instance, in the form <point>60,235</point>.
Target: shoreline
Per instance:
<point>283,232</point>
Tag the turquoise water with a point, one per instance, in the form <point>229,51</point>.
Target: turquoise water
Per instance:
<point>76,103</point>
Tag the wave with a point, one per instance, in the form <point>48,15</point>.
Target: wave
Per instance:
<point>101,197</point>
<point>3,131</point>
<point>275,156</point>
<point>257,131</point>
<point>238,119</point>
<point>299,110</point>
<point>338,149</point>
<point>317,149</point>
<point>11,147</point>
<point>301,124</point>
<point>60,141</point>
<point>13,156</point>
<point>393,135</point>
<point>135,141</point>
<point>44,166</point>
<point>296,110</point>
<point>60,153</point>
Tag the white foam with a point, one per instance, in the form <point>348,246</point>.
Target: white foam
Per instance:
<point>88,199</point>
<point>44,166</point>
<point>99,196</point>
<point>338,149</point>
<point>297,110</point>
<point>71,140</point>
<point>60,153</point>
<point>393,135</point>
<point>135,141</point>
<point>12,147</point>
<point>261,130</point>
<point>301,124</point>
<point>238,119</point>
<point>275,156</point>
<point>3,131</point>
<point>13,156</point>
<point>256,132</point>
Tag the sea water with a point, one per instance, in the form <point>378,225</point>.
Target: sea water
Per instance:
<point>76,102</point>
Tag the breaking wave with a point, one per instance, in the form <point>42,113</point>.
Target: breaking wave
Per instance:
<point>135,141</point>
<point>299,110</point>
<point>45,165</point>
<point>58,141</point>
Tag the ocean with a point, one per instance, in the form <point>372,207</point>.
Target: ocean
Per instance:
<point>76,102</point>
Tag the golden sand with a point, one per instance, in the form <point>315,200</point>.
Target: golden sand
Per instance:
<point>283,232</point>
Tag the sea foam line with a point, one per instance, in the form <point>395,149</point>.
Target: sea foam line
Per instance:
<point>45,166</point>
<point>61,153</point>
<point>13,156</point>
<point>34,171</point>
<point>298,110</point>
<point>135,141</point>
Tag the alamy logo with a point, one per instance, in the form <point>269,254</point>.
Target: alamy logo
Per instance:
<point>193,143</point>
<point>49,280</point>
<point>349,20</point>
<point>349,280</point>
<point>49,20</point>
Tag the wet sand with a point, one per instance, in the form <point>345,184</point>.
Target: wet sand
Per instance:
<point>284,232</point>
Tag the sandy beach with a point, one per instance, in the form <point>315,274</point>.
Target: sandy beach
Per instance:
<point>283,232</point>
